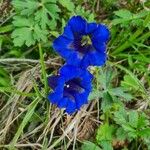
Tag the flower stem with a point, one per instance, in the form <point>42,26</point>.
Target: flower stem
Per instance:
<point>43,68</point>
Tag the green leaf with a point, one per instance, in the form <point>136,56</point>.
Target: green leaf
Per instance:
<point>39,34</point>
<point>95,94</point>
<point>4,78</point>
<point>79,10</point>
<point>105,77</point>
<point>142,121</point>
<point>141,14</point>
<point>91,17</point>
<point>107,101</point>
<point>41,16</point>
<point>104,132</point>
<point>109,76</point>
<point>67,4</point>
<point>128,128</point>
<point>124,13</point>
<point>123,17</point>
<point>19,21</point>
<point>133,119</point>
<point>26,7</point>
<point>106,145</point>
<point>53,10</point>
<point>121,134</point>
<point>52,24</point>
<point>42,11</point>
<point>120,92</point>
<point>27,32</point>
<point>120,116</point>
<point>132,123</point>
<point>15,53</point>
<point>129,83</point>
<point>54,33</point>
<point>6,28</point>
<point>132,134</point>
<point>22,36</point>
<point>144,132</point>
<point>87,145</point>
<point>26,119</point>
<point>135,82</point>
<point>120,21</point>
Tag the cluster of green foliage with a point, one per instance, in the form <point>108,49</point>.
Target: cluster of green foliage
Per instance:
<point>35,19</point>
<point>121,87</point>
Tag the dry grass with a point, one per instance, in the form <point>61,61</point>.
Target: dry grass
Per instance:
<point>54,127</point>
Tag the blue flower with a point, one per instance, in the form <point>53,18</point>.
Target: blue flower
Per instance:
<point>71,88</point>
<point>83,44</point>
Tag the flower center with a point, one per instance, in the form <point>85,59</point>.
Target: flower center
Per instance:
<point>86,40</point>
<point>73,87</point>
<point>67,85</point>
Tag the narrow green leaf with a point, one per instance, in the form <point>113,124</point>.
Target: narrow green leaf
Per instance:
<point>87,145</point>
<point>26,119</point>
<point>6,28</point>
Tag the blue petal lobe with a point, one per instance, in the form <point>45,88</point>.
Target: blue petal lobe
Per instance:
<point>54,97</point>
<point>91,27</point>
<point>68,32</point>
<point>78,25</point>
<point>94,59</point>
<point>61,45</point>
<point>71,107</point>
<point>74,59</point>
<point>99,46</point>
<point>87,81</point>
<point>101,33</point>
<point>52,81</point>
<point>81,99</point>
<point>63,103</point>
<point>97,58</point>
<point>60,85</point>
<point>69,71</point>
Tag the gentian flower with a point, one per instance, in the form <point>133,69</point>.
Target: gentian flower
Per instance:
<point>71,88</point>
<point>83,44</point>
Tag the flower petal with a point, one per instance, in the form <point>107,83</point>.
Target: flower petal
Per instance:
<point>101,33</point>
<point>71,107</point>
<point>94,59</point>
<point>74,59</point>
<point>62,46</point>
<point>70,72</point>
<point>86,82</point>
<point>99,46</point>
<point>81,99</point>
<point>53,81</point>
<point>68,32</point>
<point>91,27</point>
<point>78,25</point>
<point>63,103</point>
<point>54,97</point>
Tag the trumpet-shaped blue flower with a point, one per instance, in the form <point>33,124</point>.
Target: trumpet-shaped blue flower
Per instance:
<point>83,44</point>
<point>71,88</point>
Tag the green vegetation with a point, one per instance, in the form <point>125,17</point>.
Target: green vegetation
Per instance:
<point>118,114</point>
